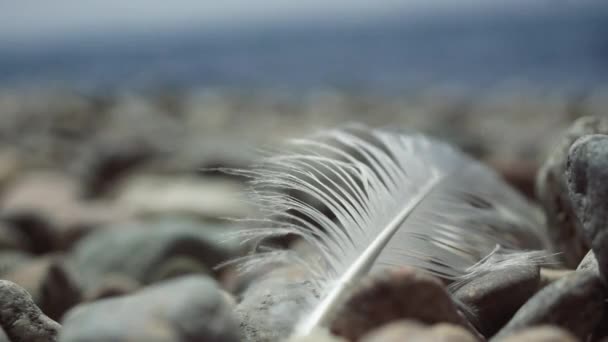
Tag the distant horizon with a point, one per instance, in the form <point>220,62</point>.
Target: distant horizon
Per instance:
<point>22,24</point>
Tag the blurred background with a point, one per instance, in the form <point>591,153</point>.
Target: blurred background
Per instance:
<point>115,110</point>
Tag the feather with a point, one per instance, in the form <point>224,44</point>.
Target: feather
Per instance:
<point>366,199</point>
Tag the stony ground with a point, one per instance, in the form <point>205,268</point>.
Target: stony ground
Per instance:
<point>112,217</point>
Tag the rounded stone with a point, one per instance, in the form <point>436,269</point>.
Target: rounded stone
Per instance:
<point>574,303</point>
<point>404,293</point>
<point>494,297</point>
<point>190,308</point>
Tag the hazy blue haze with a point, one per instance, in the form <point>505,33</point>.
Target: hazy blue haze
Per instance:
<point>567,49</point>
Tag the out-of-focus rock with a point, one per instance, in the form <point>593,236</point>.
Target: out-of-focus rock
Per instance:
<point>161,195</point>
<point>494,297</point>
<point>552,191</point>
<point>147,252</point>
<point>9,166</point>
<point>191,308</point>
<point>12,259</point>
<point>519,174</point>
<point>574,303</point>
<point>21,319</point>
<point>413,331</point>
<point>112,285</point>
<point>49,284</point>
<point>3,337</point>
<point>546,333</point>
<point>587,173</point>
<point>45,206</point>
<point>107,165</point>
<point>11,238</point>
<point>405,293</point>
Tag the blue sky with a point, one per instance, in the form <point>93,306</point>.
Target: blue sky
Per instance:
<point>31,19</point>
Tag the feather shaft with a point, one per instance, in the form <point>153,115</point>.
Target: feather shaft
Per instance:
<point>325,310</point>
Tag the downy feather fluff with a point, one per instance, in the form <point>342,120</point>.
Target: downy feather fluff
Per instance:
<point>365,199</point>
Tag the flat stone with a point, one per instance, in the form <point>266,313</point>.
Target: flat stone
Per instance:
<point>552,192</point>
<point>52,288</point>
<point>405,293</point>
<point>204,197</point>
<point>146,252</point>
<point>494,297</point>
<point>191,308</point>
<point>413,331</point>
<point>540,334</point>
<point>21,319</point>
<point>54,224</point>
<point>587,174</point>
<point>574,303</point>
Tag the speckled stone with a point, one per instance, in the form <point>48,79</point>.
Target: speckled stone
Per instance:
<point>587,174</point>
<point>552,192</point>
<point>21,319</point>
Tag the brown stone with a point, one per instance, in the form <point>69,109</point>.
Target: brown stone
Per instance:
<point>404,293</point>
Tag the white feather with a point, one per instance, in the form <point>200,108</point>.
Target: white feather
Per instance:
<point>366,199</point>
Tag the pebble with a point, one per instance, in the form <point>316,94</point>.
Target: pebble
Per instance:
<point>552,192</point>
<point>540,334</point>
<point>574,303</point>
<point>412,331</point>
<point>405,293</point>
<point>319,335</point>
<point>589,263</point>
<point>190,308</point>
<point>21,319</point>
<point>587,175</point>
<point>494,297</point>
<point>141,251</point>
<point>50,285</point>
<point>270,305</point>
